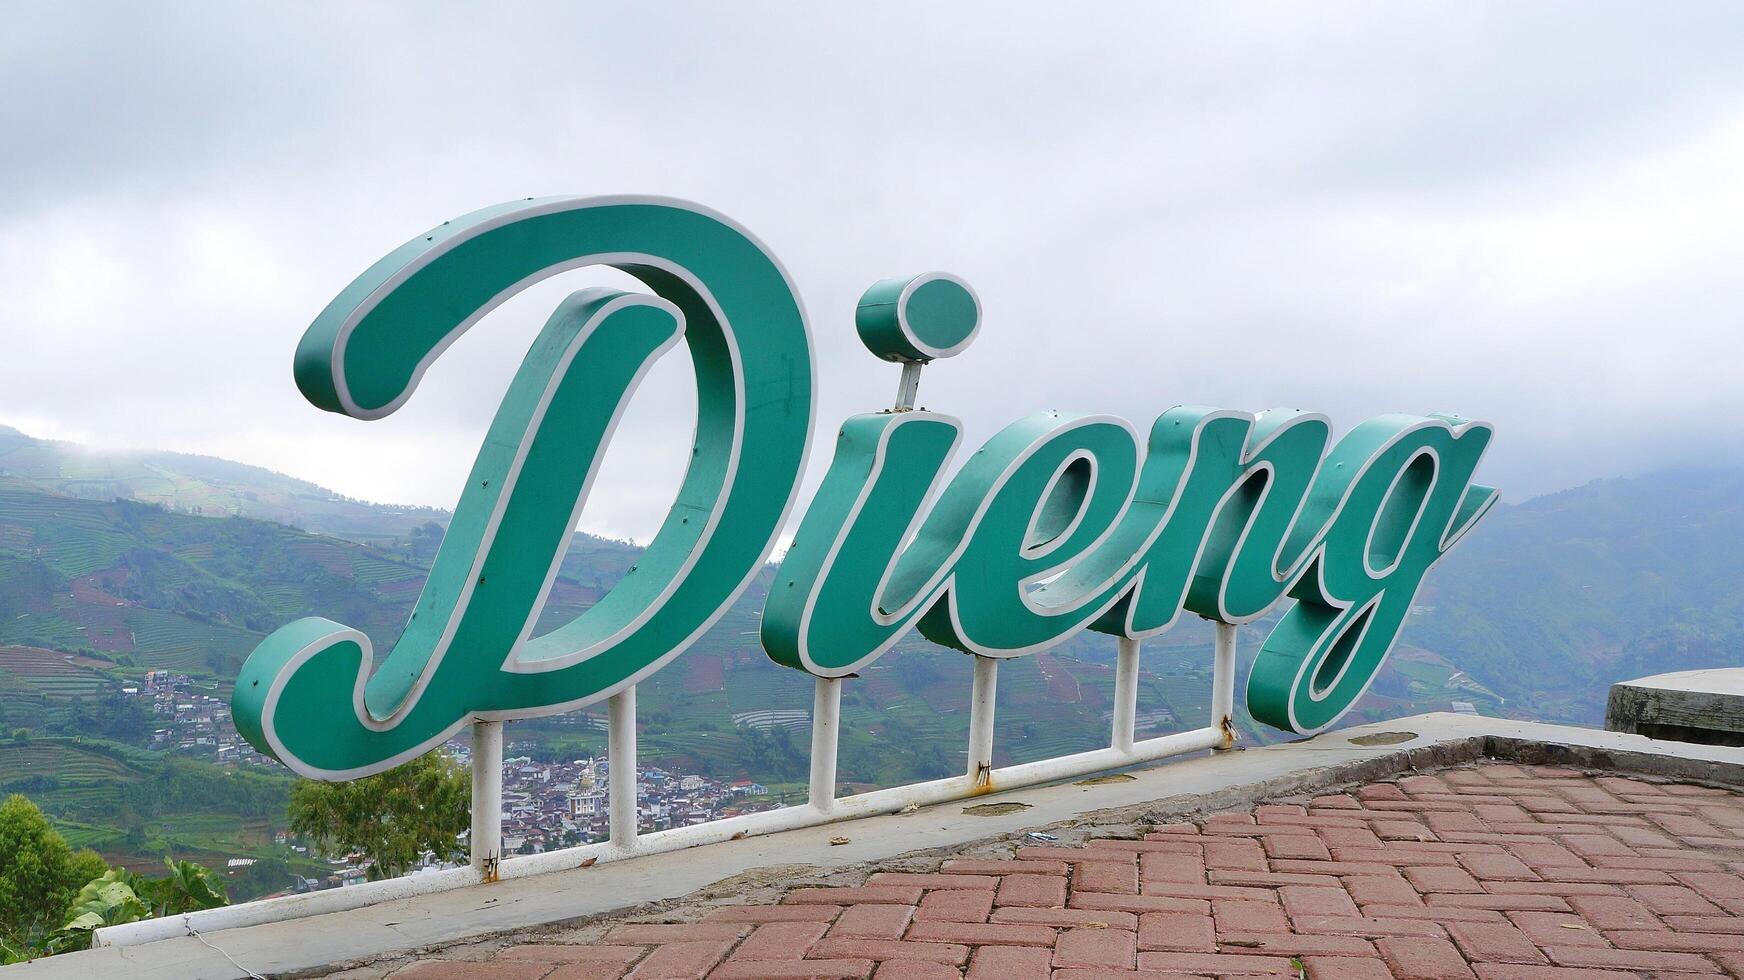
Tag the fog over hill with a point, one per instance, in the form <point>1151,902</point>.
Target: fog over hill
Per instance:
<point>1552,600</point>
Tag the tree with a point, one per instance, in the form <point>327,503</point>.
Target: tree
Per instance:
<point>118,895</point>
<point>390,818</point>
<point>39,875</point>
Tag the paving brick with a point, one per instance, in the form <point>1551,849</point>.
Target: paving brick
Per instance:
<point>1345,968</point>
<point>1162,867</point>
<point>1224,964</point>
<point>1492,942</point>
<point>1679,825</point>
<point>1402,830</point>
<point>1181,931</point>
<point>1614,912</point>
<point>1628,959</point>
<point>1380,791</point>
<point>1557,929</point>
<point>1496,867</point>
<point>1292,944</point>
<point>1339,801</point>
<point>1185,889</point>
<point>1351,837</point>
<point>1305,848</point>
<point>981,934</point>
<point>1659,861</point>
<point>682,960</point>
<point>1299,900</point>
<point>916,970</point>
<point>1593,845</point>
<point>588,970</point>
<point>890,949</point>
<point>1672,941</point>
<point>1337,868</point>
<point>1246,915</point>
<point>796,970</point>
<point>954,905</point>
<point>953,880</point>
<point>1076,974</point>
<point>1561,888</point>
<point>1613,876</point>
<point>1487,900</point>
<point>1137,903</point>
<point>1031,890</point>
<point>1442,880</point>
<point>1672,900</point>
<point>1341,925</point>
<point>1381,890</point>
<point>1109,949</point>
<point>1066,918</point>
<point>1456,820</point>
<point>872,922</point>
<point>785,940</point>
<point>1116,879</point>
<point>1391,856</point>
<point>1269,879</point>
<point>1423,959</point>
<point>1432,913</point>
<point>1714,886</point>
<point>1234,855</point>
<point>774,913</point>
<point>1010,963</point>
<point>1704,923</point>
<point>1641,837</point>
<point>1491,872</point>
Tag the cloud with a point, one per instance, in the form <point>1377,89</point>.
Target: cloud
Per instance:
<point>1524,213</point>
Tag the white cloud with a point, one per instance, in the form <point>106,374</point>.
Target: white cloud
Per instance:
<point>1517,212</point>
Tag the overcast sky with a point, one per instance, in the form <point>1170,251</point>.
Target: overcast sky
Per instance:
<point>1531,214</point>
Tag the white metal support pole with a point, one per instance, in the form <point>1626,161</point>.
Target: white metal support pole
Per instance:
<point>621,754</point>
<point>1223,684</point>
<point>980,768</point>
<point>487,798</point>
<point>826,717</point>
<point>908,388</point>
<point>1125,693</point>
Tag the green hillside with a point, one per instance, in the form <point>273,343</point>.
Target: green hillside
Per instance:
<point>136,807</point>
<point>1554,599</point>
<point>1549,602</point>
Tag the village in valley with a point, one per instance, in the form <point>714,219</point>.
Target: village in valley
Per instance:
<point>546,805</point>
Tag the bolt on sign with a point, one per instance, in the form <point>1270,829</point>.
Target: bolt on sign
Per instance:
<point>1059,523</point>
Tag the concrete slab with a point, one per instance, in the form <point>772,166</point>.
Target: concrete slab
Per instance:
<point>1071,811</point>
<point>1701,706</point>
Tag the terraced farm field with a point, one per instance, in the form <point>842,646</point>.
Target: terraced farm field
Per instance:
<point>52,673</point>
<point>165,641</point>
<point>63,761</point>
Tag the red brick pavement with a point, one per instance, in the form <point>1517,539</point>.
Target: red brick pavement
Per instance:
<point>1495,872</point>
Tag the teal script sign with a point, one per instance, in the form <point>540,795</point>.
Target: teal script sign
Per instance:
<point>1057,524</point>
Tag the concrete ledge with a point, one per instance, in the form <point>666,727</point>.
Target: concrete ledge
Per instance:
<point>1701,706</point>
<point>1071,811</point>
